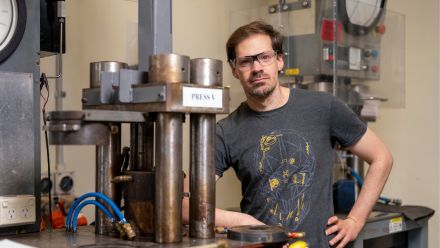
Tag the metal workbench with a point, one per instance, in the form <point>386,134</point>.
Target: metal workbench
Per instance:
<point>86,237</point>
<point>384,230</point>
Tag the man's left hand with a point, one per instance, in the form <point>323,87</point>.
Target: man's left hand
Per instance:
<point>346,230</point>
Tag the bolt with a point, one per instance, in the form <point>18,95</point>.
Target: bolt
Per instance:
<point>305,3</point>
<point>285,7</point>
<point>272,10</point>
<point>161,95</point>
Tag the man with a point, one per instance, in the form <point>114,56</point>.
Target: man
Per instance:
<point>280,144</point>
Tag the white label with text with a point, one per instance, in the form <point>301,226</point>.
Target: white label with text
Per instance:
<point>202,97</point>
<point>396,225</point>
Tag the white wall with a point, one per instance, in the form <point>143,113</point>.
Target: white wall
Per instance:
<point>97,30</point>
<point>412,133</point>
<point>106,30</point>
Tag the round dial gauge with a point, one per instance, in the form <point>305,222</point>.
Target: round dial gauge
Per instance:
<point>360,16</point>
<point>12,25</point>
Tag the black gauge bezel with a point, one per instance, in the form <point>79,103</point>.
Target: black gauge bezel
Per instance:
<point>355,29</point>
<point>18,32</point>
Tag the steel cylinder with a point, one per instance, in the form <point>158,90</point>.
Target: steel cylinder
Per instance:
<point>108,167</point>
<point>169,68</point>
<point>202,176</point>
<point>149,145</point>
<point>206,72</point>
<point>142,146</point>
<point>107,66</point>
<point>139,201</point>
<point>168,178</point>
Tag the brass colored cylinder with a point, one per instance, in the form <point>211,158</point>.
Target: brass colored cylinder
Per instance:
<point>169,68</point>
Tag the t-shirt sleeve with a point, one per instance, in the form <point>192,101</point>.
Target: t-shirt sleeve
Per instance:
<point>346,127</point>
<point>221,154</point>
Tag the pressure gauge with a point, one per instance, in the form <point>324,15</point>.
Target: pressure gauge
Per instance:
<point>12,26</point>
<point>359,17</point>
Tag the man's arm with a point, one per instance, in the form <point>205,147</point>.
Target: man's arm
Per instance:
<point>230,218</point>
<point>222,217</point>
<point>373,151</point>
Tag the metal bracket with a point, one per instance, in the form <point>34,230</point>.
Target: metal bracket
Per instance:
<point>284,7</point>
<point>128,78</point>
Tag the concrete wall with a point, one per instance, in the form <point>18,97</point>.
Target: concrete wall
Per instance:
<point>106,30</point>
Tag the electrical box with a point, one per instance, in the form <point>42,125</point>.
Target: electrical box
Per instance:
<point>17,210</point>
<point>50,27</point>
<point>20,125</point>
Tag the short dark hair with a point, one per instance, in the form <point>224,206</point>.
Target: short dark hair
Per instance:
<point>256,27</point>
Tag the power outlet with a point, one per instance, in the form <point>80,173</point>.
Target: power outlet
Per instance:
<point>17,210</point>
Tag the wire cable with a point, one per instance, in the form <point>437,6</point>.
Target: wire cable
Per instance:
<point>44,84</point>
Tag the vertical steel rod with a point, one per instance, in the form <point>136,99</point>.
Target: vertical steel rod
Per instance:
<point>202,176</point>
<point>134,136</point>
<point>149,144</point>
<point>107,167</point>
<point>206,72</point>
<point>139,146</point>
<point>168,178</point>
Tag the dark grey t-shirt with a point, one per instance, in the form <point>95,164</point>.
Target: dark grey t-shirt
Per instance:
<point>284,159</point>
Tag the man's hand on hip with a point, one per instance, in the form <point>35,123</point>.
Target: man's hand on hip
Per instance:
<point>345,230</point>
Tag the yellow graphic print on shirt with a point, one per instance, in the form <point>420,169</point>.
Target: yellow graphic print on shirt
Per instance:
<point>286,163</point>
<point>266,142</point>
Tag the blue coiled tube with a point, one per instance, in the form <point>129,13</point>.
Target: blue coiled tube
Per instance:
<point>97,195</point>
<point>85,203</point>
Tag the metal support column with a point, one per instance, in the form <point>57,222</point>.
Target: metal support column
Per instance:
<point>108,167</point>
<point>206,72</point>
<point>168,178</point>
<point>202,184</point>
<point>155,31</point>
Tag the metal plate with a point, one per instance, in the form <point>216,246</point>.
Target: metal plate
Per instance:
<point>262,233</point>
<point>171,101</point>
<point>17,134</point>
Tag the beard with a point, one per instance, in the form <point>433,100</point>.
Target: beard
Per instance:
<point>260,91</point>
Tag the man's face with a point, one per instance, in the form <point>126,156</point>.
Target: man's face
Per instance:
<point>258,79</point>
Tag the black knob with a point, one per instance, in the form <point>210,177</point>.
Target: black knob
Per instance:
<point>46,185</point>
<point>66,183</point>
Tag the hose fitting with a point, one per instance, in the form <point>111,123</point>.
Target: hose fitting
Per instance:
<point>128,229</point>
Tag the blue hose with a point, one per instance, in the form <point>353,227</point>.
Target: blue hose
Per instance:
<point>85,203</point>
<point>97,195</point>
